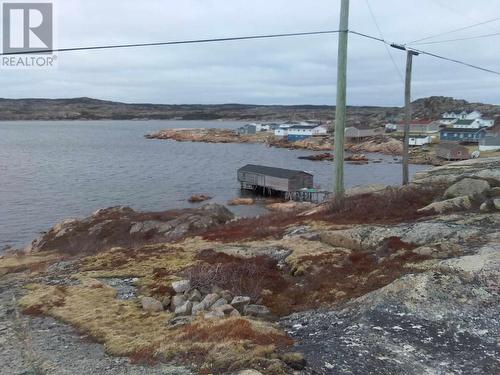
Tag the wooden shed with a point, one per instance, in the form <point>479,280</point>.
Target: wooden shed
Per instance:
<point>271,179</point>
<point>452,151</point>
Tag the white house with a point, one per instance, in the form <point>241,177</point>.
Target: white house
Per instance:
<point>320,130</point>
<point>282,130</point>
<point>419,140</point>
<point>462,115</point>
<point>488,123</point>
<point>490,143</point>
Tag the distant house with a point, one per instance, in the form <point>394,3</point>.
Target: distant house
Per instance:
<point>247,129</point>
<point>354,134</point>
<point>452,151</point>
<point>320,130</point>
<point>464,115</point>
<point>486,122</point>
<point>466,124</point>
<point>419,140</point>
<point>268,179</point>
<point>417,127</point>
<point>462,135</point>
<point>300,132</point>
<point>490,143</point>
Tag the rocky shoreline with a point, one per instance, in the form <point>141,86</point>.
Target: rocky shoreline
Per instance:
<point>378,144</point>
<point>396,280</point>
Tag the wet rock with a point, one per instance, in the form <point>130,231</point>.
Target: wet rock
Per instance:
<point>151,304</point>
<point>199,198</point>
<point>471,187</point>
<point>449,205</point>
<point>258,311</point>
<point>241,202</point>
<point>184,309</point>
<point>181,286</point>
<point>240,302</point>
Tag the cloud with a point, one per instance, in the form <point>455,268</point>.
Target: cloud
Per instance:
<point>295,70</point>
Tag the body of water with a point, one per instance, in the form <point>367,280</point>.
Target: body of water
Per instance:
<point>51,171</point>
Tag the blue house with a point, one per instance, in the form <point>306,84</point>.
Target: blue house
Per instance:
<point>462,135</point>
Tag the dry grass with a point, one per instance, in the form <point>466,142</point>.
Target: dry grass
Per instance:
<point>126,330</point>
<point>27,262</point>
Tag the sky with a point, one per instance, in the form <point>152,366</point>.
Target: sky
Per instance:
<point>294,70</point>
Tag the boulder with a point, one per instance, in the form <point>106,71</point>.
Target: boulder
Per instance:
<point>239,303</point>
<point>214,315</point>
<point>226,294</point>
<point>194,296</point>
<point>209,300</point>
<point>494,192</point>
<point>199,198</point>
<point>234,314</point>
<point>180,321</point>
<point>225,309</point>
<point>151,304</point>
<point>449,205</point>
<point>496,203</point>
<point>177,300</point>
<point>181,286</point>
<point>241,202</point>
<point>220,302</point>
<point>184,309</point>
<point>258,311</point>
<point>197,308</point>
<point>471,187</point>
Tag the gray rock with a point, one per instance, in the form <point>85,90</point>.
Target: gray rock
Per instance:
<point>225,309</point>
<point>249,372</point>
<point>496,203</point>
<point>180,321</point>
<point>184,309</point>
<point>449,205</point>
<point>177,300</point>
<point>181,286</point>
<point>226,294</point>
<point>210,299</point>
<point>213,315</point>
<point>197,308</point>
<point>258,311</point>
<point>151,304</point>
<point>194,295</point>
<point>218,303</point>
<point>239,303</point>
<point>471,187</point>
<point>494,192</point>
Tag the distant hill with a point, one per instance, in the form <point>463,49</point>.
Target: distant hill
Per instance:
<point>94,109</point>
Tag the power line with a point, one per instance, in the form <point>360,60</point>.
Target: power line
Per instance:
<point>404,48</point>
<point>454,31</point>
<point>114,46</point>
<point>396,67</point>
<point>458,39</point>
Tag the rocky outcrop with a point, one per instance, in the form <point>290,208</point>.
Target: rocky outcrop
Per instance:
<point>441,321</point>
<point>122,226</point>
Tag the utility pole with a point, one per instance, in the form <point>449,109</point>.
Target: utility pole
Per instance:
<point>406,156</point>
<point>340,109</point>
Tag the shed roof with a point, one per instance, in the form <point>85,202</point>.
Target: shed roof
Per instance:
<point>271,171</point>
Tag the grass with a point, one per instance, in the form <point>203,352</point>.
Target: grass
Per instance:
<point>126,330</point>
<point>19,262</point>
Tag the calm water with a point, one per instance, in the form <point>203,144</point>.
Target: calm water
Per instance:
<point>50,171</point>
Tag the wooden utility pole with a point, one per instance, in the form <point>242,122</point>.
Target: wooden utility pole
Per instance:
<point>340,109</point>
<point>406,156</point>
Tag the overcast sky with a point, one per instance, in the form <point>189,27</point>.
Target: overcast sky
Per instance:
<point>296,70</point>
